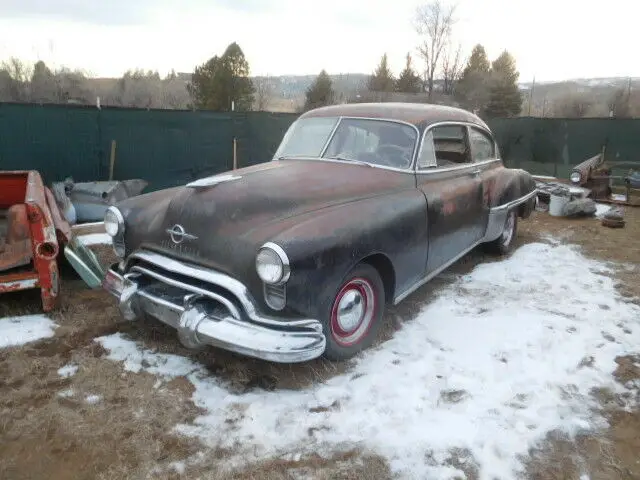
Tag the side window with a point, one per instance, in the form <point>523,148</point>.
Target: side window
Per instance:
<point>427,158</point>
<point>450,144</point>
<point>482,145</point>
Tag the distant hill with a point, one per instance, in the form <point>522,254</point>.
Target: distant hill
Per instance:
<point>286,92</point>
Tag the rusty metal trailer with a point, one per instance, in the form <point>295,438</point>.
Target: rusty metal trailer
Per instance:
<point>32,235</point>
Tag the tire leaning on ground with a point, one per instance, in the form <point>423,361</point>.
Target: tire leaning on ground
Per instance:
<point>353,318</point>
<point>503,244</point>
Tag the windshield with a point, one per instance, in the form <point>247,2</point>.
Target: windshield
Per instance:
<point>378,142</point>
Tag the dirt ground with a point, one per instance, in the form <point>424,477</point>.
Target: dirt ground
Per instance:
<point>48,429</point>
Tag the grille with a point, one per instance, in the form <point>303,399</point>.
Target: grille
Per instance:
<point>176,286</point>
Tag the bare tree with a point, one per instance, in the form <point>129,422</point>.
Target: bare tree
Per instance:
<point>434,22</point>
<point>264,90</point>
<point>15,77</point>
<point>452,66</point>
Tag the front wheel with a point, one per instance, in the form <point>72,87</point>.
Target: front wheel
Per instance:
<point>502,245</point>
<point>354,317</point>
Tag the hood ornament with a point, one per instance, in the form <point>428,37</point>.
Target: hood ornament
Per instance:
<point>212,181</point>
<point>178,234</point>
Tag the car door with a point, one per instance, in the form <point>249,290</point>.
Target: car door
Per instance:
<point>452,186</point>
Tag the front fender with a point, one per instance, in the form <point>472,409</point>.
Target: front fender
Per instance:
<point>327,244</point>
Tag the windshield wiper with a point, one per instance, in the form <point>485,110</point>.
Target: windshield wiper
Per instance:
<point>352,160</point>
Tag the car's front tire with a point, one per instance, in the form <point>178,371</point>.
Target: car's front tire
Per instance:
<point>504,243</point>
<point>353,317</point>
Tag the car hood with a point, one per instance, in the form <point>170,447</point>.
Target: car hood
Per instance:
<point>226,220</point>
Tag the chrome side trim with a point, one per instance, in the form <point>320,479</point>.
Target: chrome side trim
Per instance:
<point>517,201</point>
<point>433,274</point>
<point>435,170</point>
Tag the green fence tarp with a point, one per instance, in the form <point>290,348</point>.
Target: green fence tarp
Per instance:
<point>170,147</point>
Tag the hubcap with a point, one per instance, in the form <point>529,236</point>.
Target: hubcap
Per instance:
<point>353,312</point>
<point>350,310</point>
<point>507,233</point>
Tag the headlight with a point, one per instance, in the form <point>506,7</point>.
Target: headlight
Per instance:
<point>575,177</point>
<point>113,222</point>
<point>272,264</point>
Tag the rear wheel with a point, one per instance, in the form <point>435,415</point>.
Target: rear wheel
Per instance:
<point>503,244</point>
<point>354,316</point>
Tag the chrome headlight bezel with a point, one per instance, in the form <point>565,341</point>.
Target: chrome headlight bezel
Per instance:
<point>272,256</point>
<point>113,217</point>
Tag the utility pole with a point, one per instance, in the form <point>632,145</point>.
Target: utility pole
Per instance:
<point>533,86</point>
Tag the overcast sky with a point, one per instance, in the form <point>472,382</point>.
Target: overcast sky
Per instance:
<point>551,39</point>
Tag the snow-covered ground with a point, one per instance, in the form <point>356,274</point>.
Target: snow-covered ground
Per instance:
<point>602,208</point>
<point>95,239</point>
<point>15,331</point>
<point>500,358</point>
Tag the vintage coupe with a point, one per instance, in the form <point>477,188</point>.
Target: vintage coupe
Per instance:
<point>298,257</point>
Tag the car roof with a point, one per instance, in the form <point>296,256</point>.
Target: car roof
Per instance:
<point>419,114</point>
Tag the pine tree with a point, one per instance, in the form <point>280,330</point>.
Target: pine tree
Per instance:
<point>408,81</point>
<point>472,89</point>
<point>320,93</point>
<point>222,82</point>
<point>382,79</point>
<point>505,99</point>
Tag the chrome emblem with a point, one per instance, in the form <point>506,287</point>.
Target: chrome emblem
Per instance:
<point>178,234</point>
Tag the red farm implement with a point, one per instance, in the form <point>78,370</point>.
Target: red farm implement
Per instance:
<point>32,234</point>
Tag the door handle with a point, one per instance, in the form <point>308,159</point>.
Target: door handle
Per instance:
<point>475,173</point>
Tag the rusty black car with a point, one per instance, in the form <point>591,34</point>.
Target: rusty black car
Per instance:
<point>298,257</point>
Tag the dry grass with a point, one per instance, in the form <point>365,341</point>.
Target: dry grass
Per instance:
<point>126,434</point>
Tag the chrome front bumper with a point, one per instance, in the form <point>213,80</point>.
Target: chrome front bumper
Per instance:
<point>209,308</point>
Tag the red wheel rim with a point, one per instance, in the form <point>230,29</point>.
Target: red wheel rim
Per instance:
<point>353,311</point>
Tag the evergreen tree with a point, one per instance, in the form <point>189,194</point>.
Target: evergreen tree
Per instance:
<point>408,81</point>
<point>320,93</point>
<point>505,99</point>
<point>223,81</point>
<point>382,79</point>
<point>472,89</point>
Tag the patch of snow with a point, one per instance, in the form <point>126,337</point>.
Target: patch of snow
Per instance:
<point>66,393</point>
<point>491,365</point>
<point>16,331</point>
<point>93,399</point>
<point>178,467</point>
<point>68,370</point>
<point>95,239</point>
<point>601,209</point>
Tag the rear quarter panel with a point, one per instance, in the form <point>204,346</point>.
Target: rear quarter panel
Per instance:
<point>503,185</point>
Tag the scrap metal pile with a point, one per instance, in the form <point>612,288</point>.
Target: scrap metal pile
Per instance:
<point>591,181</point>
<point>36,229</point>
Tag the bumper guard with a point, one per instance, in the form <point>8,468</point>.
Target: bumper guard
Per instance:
<point>203,317</point>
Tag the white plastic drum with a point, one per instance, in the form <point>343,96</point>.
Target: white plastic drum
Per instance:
<point>557,203</point>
